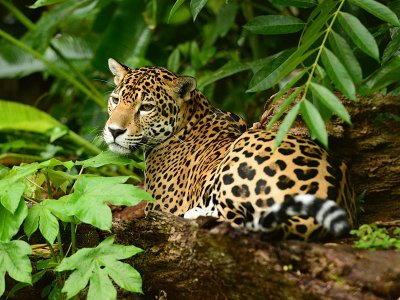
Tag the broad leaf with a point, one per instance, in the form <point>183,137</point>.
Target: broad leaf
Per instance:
<point>15,261</point>
<point>88,201</point>
<point>286,124</point>
<point>17,116</point>
<point>342,49</point>
<point>11,186</point>
<point>359,34</point>
<point>11,222</point>
<point>314,121</point>
<point>330,100</point>
<point>338,74</point>
<point>378,10</point>
<point>96,265</point>
<point>53,162</point>
<point>196,6</point>
<point>106,158</point>
<point>274,24</point>
<point>40,214</point>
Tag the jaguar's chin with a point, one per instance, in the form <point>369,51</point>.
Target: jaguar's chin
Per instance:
<point>114,147</point>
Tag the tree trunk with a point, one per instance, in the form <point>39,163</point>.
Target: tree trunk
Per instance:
<point>186,259</point>
<point>198,260</point>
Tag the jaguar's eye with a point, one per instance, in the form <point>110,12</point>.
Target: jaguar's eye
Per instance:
<point>114,100</point>
<point>146,107</point>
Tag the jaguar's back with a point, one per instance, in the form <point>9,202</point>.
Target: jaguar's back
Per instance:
<point>202,161</point>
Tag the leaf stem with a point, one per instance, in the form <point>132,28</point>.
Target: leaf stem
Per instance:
<point>320,49</point>
<point>56,70</point>
<point>32,26</point>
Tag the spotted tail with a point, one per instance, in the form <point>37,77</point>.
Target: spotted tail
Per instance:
<point>325,212</point>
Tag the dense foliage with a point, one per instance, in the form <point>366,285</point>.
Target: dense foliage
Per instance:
<point>241,52</point>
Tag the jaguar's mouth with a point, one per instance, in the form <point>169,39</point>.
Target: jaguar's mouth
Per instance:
<point>119,149</point>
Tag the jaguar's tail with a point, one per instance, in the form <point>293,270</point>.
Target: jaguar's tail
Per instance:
<point>325,212</point>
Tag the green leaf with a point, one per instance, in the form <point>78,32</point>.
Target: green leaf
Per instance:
<point>10,194</point>
<point>266,76</point>
<point>11,222</point>
<point>282,108</point>
<point>40,3</point>
<point>17,116</point>
<point>53,162</point>
<point>388,74</point>
<point>96,265</point>
<point>126,14</point>
<point>378,10</point>
<point>174,8</point>
<point>338,74</point>
<point>393,47</point>
<point>196,6</point>
<point>87,202</point>
<point>174,60</point>
<point>274,24</point>
<point>359,34</point>
<point>107,158</point>
<point>342,49</point>
<point>15,261</point>
<point>330,100</point>
<point>41,214</point>
<point>101,286</point>
<point>314,121</point>
<point>296,3</point>
<point>229,69</point>
<point>286,124</point>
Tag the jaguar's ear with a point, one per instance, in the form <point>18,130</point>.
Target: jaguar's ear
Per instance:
<point>184,85</point>
<point>119,70</point>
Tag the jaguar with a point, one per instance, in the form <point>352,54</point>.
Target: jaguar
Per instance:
<point>202,161</point>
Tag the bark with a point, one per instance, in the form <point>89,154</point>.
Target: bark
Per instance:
<point>198,260</point>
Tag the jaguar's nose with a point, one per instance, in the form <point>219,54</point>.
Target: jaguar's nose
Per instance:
<point>115,132</point>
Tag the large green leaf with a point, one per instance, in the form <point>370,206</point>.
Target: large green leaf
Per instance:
<point>338,74</point>
<point>330,100</point>
<point>174,8</point>
<point>11,186</point>
<point>314,121</point>
<point>96,265</point>
<point>274,24</point>
<point>17,116</point>
<point>88,201</point>
<point>15,261</point>
<point>379,10</point>
<point>11,222</point>
<point>40,215</point>
<point>106,158</point>
<point>359,34</point>
<point>344,52</point>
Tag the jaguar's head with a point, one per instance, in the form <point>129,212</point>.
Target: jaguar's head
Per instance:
<point>146,107</point>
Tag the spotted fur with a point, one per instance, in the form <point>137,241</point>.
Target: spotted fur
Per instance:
<point>203,161</point>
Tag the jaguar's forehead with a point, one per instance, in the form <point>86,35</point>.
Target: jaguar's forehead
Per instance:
<point>148,76</point>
